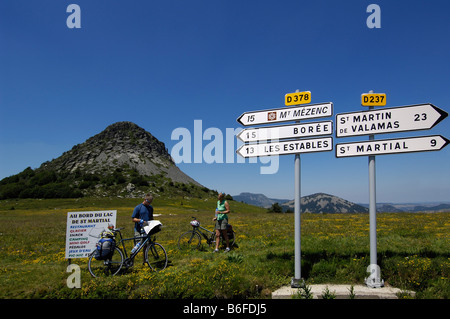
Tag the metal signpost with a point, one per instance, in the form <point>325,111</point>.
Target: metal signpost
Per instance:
<point>389,120</point>
<point>291,144</point>
<point>392,146</point>
<point>310,111</point>
<point>286,131</point>
<point>297,98</point>
<point>285,148</point>
<point>264,141</point>
<point>373,99</point>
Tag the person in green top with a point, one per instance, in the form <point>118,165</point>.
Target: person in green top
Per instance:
<point>222,211</point>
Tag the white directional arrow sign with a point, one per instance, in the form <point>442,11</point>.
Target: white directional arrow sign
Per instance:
<point>289,147</point>
<point>392,146</point>
<point>285,114</point>
<point>286,131</point>
<point>389,120</point>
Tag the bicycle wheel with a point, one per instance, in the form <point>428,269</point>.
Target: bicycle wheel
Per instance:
<point>107,267</point>
<point>156,256</point>
<point>189,241</point>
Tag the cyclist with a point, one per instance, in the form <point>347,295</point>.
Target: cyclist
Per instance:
<point>142,213</point>
<point>223,208</point>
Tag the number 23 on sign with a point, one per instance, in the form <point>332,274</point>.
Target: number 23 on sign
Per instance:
<point>297,98</point>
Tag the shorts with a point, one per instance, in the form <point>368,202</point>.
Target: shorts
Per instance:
<point>222,224</point>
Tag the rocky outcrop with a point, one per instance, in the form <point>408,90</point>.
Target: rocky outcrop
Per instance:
<point>122,145</point>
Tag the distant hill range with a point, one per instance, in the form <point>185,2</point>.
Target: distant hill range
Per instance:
<point>258,199</point>
<point>325,203</point>
<point>413,208</point>
<point>315,203</point>
<point>123,160</point>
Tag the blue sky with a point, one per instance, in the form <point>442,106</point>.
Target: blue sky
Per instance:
<point>165,64</point>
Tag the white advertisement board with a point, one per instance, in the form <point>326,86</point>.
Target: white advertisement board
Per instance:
<point>83,231</point>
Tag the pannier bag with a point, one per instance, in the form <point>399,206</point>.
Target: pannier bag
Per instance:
<point>230,231</point>
<point>154,226</point>
<point>105,248</point>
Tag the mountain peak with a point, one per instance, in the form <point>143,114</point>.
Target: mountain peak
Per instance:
<point>122,129</point>
<point>120,145</point>
<point>123,160</point>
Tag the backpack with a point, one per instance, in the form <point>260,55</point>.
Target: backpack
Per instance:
<point>105,248</point>
<point>230,231</point>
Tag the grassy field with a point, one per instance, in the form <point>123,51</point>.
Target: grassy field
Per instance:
<point>413,251</point>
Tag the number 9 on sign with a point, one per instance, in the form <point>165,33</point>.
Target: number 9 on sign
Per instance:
<point>297,98</point>
<point>433,143</point>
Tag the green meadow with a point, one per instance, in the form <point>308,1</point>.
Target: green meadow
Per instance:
<point>413,251</point>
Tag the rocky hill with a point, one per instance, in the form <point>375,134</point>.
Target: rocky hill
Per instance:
<point>120,145</point>
<point>123,160</point>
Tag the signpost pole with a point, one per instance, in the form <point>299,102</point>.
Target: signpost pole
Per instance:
<point>389,120</point>
<point>297,281</point>
<point>373,280</point>
<point>292,145</point>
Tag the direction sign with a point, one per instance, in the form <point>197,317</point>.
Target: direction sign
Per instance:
<point>285,148</point>
<point>389,120</point>
<point>286,131</point>
<point>373,99</point>
<point>392,146</point>
<point>285,114</point>
<point>297,98</point>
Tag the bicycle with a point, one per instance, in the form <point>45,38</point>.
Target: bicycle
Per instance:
<point>155,255</point>
<point>191,240</point>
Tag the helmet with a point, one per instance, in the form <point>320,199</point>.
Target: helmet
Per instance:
<point>195,223</point>
<point>107,234</point>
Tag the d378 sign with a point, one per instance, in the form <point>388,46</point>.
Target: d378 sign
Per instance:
<point>297,98</point>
